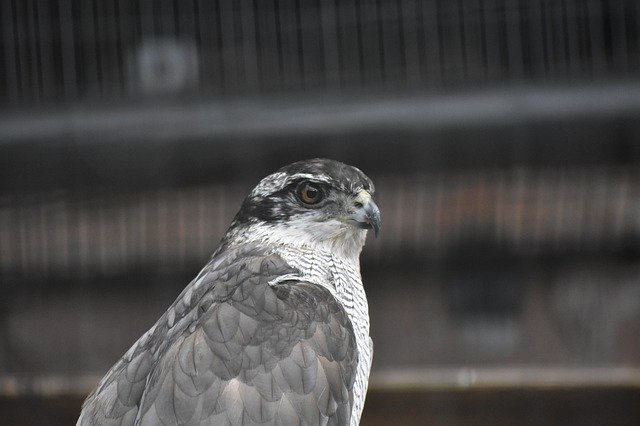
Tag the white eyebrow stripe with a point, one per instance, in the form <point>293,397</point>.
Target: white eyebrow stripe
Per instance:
<point>279,180</point>
<point>317,178</point>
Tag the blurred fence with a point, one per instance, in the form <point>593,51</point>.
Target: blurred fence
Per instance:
<point>131,130</point>
<point>425,216</point>
<point>71,50</point>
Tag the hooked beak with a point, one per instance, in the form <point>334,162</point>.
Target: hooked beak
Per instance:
<point>367,216</point>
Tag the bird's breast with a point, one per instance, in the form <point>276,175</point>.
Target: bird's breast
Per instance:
<point>341,276</point>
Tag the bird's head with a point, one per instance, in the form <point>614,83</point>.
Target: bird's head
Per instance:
<point>316,203</point>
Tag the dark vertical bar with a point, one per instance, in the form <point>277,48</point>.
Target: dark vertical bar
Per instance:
<point>288,35</point>
<point>146,29</point>
<point>636,40</point>
<point>488,36</point>
<point>109,41</point>
<point>7,242</point>
<point>46,40</point>
<point>381,43</point>
<point>195,21</point>
<point>590,14</point>
<point>144,22</point>
<point>462,40</point>
<point>11,52</point>
<point>288,77</point>
<point>23,29</point>
<point>68,50</point>
<point>37,50</point>
<point>514,39</point>
<point>219,47</point>
<point>64,233</point>
<point>561,41</point>
<point>258,43</point>
<point>156,18</point>
<point>442,39</point>
<point>44,237</point>
<point>99,47</point>
<point>296,41</point>
<point>299,42</point>
<point>278,42</point>
<point>25,48</point>
<point>198,39</point>
<point>135,11</point>
<point>409,37</point>
<point>392,40</point>
<point>184,17</point>
<point>369,42</point>
<point>347,25</point>
<point>311,42</point>
<point>360,41</point>
<point>86,37</point>
<point>180,29</point>
<point>147,21</point>
<point>29,38</point>
<point>228,44</point>
<point>206,39</point>
<point>54,46</point>
<point>452,41</point>
<point>546,23</point>
<point>21,246</point>
<point>536,47</point>
<point>4,64</point>
<point>471,23</point>
<point>261,24</point>
<point>97,28</point>
<point>546,40</point>
<point>268,45</point>
<point>571,36</point>
<point>483,40</point>
<point>559,37</point>
<point>125,39</point>
<point>190,31</point>
<point>618,37</point>
<point>330,43</point>
<point>238,45</point>
<point>432,44</point>
<point>167,19</point>
<point>420,39</point>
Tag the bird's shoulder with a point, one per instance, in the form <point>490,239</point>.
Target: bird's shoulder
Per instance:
<point>248,340</point>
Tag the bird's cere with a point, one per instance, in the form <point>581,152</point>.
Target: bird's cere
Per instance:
<point>274,329</point>
<point>363,197</point>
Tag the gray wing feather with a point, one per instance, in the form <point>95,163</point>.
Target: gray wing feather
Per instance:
<point>234,349</point>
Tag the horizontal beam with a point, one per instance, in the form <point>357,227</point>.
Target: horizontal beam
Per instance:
<point>542,377</point>
<point>322,114</point>
<point>401,379</point>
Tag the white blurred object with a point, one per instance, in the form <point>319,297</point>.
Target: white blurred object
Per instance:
<point>164,66</point>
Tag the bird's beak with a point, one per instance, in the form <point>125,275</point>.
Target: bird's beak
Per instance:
<point>368,215</point>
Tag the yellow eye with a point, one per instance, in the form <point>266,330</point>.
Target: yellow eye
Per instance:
<point>309,193</point>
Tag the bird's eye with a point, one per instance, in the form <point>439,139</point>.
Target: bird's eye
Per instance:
<point>309,193</point>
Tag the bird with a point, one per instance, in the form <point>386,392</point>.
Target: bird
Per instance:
<point>275,327</point>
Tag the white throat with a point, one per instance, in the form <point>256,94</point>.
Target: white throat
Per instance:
<point>330,236</point>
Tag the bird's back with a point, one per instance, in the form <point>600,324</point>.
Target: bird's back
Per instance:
<point>248,341</point>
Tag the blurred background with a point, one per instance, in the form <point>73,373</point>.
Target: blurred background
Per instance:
<point>503,137</point>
